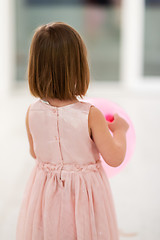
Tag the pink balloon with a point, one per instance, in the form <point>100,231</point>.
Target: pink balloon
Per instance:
<point>108,109</point>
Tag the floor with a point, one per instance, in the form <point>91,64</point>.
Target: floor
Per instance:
<point>136,189</point>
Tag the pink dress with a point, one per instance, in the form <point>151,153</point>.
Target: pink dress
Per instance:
<point>67,195</point>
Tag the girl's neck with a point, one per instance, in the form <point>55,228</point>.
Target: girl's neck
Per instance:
<point>57,102</point>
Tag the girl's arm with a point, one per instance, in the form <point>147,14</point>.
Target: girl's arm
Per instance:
<point>112,149</point>
<point>29,136</point>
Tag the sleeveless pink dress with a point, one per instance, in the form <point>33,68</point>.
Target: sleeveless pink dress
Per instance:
<point>67,195</point>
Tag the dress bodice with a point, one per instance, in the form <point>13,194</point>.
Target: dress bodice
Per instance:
<point>60,134</point>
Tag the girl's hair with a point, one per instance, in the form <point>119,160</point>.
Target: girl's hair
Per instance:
<point>58,66</point>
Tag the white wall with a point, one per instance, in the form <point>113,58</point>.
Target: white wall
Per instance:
<point>7,46</point>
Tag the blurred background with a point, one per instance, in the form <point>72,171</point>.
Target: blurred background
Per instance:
<point>123,42</point>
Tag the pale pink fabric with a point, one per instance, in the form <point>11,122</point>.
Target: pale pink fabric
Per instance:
<point>67,196</point>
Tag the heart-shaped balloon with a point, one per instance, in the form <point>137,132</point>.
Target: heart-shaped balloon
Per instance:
<point>108,109</point>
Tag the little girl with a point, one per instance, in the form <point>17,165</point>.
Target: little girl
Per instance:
<point>67,196</point>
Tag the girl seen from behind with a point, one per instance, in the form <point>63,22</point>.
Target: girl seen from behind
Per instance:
<point>67,195</point>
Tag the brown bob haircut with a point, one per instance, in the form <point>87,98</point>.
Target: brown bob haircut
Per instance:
<point>58,66</point>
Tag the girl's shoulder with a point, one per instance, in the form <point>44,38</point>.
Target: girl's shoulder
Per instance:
<point>34,105</point>
<point>86,105</point>
<point>95,116</point>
